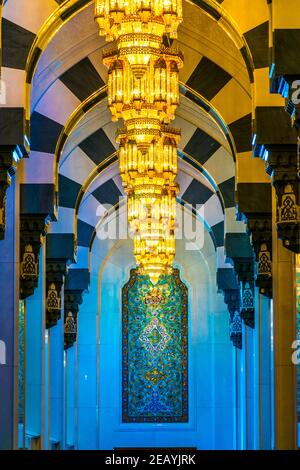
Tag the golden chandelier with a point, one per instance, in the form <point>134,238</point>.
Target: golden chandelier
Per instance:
<point>143,91</point>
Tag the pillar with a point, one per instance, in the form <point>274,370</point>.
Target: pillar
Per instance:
<point>284,335</point>
<point>9,288</point>
<point>56,344</point>
<point>70,396</point>
<point>60,253</point>
<point>241,417</point>
<point>266,371</point>
<point>35,357</point>
<point>81,363</point>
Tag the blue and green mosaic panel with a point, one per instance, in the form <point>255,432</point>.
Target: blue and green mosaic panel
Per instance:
<point>155,350</point>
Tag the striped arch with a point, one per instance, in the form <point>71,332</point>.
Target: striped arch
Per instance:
<point>229,91</point>
<point>55,99</point>
<point>105,192</point>
<point>201,154</point>
<point>228,88</point>
<point>70,8</point>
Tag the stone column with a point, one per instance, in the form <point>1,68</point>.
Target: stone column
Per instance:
<point>7,170</point>
<point>9,288</point>
<point>60,253</point>
<point>266,371</point>
<point>72,301</point>
<point>35,358</point>
<point>56,371</point>
<point>70,396</point>
<point>284,295</point>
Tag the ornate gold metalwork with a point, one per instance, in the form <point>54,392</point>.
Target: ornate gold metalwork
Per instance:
<point>143,91</point>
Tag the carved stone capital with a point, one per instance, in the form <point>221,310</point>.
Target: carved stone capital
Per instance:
<point>32,231</point>
<point>70,329</point>
<point>244,268</point>
<point>260,227</point>
<point>284,163</point>
<point>55,275</point>
<point>72,300</point>
<point>236,335</point>
<point>232,298</point>
<point>248,303</point>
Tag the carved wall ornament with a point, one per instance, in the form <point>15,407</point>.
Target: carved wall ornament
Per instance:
<point>284,161</point>
<point>248,306</point>
<point>264,261</point>
<point>53,302</point>
<point>72,300</point>
<point>288,210</point>
<point>33,229</point>
<point>70,329</point>
<point>29,265</point>
<point>236,329</point>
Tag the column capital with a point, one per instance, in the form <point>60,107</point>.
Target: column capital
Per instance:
<point>258,213</point>
<point>77,282</point>
<point>59,254</point>
<point>284,164</point>
<point>260,226</point>
<point>33,229</point>
<point>228,284</point>
<point>239,249</point>
<point>72,300</point>
<point>248,304</point>
<point>232,298</point>
<point>56,271</point>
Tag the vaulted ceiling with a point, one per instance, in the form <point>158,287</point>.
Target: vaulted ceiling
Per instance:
<point>72,139</point>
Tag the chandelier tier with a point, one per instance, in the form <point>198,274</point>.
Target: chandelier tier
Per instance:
<point>143,92</point>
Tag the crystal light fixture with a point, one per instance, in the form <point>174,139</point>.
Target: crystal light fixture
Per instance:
<point>143,91</point>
